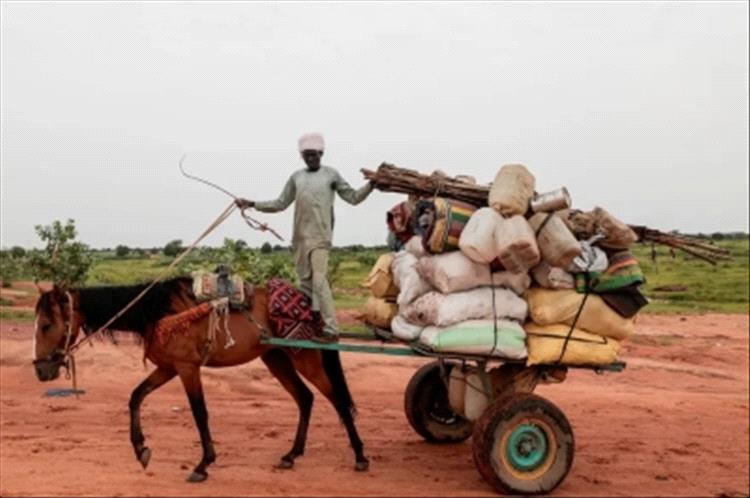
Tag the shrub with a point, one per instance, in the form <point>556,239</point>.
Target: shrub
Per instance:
<point>63,260</point>
<point>121,251</point>
<point>243,261</point>
<point>334,268</point>
<point>367,259</point>
<point>9,268</point>
<point>173,248</point>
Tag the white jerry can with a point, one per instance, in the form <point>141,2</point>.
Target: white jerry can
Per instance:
<point>457,390</point>
<point>475,399</point>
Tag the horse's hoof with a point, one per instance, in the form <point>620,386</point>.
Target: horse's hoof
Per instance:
<point>197,477</point>
<point>362,466</point>
<point>144,457</point>
<point>285,464</point>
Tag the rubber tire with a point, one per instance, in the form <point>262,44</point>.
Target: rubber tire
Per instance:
<point>424,389</point>
<point>503,416</point>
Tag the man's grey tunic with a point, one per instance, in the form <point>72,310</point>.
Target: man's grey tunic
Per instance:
<point>313,195</point>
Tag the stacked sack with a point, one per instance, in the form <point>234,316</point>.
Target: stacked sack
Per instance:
<point>464,279</point>
<point>450,303</point>
<point>381,306</point>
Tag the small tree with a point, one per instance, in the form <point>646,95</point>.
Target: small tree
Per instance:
<point>266,248</point>
<point>173,248</point>
<point>63,260</point>
<point>17,252</point>
<point>121,251</point>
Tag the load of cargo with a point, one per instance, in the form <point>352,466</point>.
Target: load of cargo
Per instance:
<point>512,273</point>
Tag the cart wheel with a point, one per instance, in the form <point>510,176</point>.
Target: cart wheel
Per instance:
<point>428,410</point>
<point>523,444</point>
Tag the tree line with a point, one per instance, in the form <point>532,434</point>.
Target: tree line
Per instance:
<point>67,261</point>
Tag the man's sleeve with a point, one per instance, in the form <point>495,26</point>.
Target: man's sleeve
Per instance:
<point>284,200</point>
<point>347,193</point>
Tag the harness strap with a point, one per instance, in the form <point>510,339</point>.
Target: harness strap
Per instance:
<point>71,311</point>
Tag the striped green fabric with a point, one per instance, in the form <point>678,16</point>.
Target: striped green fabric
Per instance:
<point>623,271</point>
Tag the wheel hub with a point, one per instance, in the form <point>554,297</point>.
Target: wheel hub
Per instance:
<point>527,447</point>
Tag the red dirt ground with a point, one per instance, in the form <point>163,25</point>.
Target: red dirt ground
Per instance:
<point>674,423</point>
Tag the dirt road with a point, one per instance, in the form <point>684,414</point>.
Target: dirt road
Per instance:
<point>674,423</point>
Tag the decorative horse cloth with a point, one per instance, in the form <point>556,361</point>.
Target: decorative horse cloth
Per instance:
<point>290,311</point>
<point>180,323</point>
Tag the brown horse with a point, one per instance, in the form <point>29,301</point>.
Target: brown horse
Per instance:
<point>61,314</point>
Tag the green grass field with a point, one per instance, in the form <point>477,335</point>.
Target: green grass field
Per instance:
<point>723,288</point>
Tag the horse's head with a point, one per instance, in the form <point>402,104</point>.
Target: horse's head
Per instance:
<point>55,327</point>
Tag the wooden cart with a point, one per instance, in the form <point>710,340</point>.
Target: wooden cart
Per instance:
<point>522,443</point>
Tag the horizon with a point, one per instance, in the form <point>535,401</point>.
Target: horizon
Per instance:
<point>730,235</point>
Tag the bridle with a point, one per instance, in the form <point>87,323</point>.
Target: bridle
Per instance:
<point>65,355</point>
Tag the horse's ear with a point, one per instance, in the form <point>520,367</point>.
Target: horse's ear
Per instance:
<point>59,290</point>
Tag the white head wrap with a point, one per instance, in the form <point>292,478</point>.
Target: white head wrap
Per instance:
<point>311,141</point>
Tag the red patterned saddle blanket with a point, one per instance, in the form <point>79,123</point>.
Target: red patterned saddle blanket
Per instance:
<point>290,311</point>
<point>180,322</point>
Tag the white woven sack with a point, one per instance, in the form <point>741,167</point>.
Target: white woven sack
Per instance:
<point>443,310</point>
<point>404,330</point>
<point>455,272</point>
<point>411,285</point>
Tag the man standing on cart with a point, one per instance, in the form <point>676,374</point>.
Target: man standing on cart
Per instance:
<point>312,190</point>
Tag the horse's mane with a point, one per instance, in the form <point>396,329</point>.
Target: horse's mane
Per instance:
<point>98,304</point>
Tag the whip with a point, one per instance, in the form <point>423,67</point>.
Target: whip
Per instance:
<point>251,222</point>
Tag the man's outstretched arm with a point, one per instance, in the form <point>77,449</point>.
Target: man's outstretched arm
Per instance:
<point>350,195</point>
<point>281,203</point>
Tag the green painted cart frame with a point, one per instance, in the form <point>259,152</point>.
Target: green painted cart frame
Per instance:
<point>522,443</point>
<point>396,348</point>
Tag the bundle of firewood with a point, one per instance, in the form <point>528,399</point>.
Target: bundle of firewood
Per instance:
<point>390,178</point>
<point>695,247</point>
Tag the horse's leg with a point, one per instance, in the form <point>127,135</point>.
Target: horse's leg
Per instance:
<point>330,381</point>
<point>190,375</point>
<point>282,368</point>
<point>155,380</point>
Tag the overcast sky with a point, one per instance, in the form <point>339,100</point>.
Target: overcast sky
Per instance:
<point>641,108</point>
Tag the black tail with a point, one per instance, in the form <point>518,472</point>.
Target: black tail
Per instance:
<point>341,394</point>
